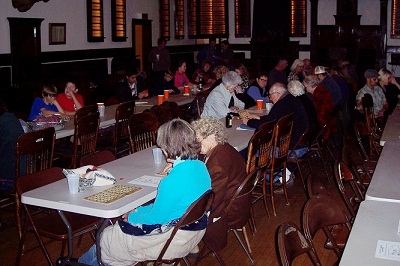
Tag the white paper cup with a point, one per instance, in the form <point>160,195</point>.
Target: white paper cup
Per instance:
<point>73,183</point>
<point>101,108</point>
<point>268,107</point>
<point>157,155</point>
<point>158,57</point>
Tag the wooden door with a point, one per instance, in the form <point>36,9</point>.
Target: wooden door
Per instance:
<point>142,43</point>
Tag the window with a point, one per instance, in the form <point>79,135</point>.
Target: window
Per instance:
<point>95,27</point>
<point>395,31</point>
<point>298,18</point>
<point>118,19</point>
<point>164,19</point>
<point>208,18</point>
<point>242,18</point>
<point>179,20</point>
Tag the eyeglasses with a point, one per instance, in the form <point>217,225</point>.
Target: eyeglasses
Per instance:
<point>275,92</point>
<point>265,80</point>
<point>49,94</point>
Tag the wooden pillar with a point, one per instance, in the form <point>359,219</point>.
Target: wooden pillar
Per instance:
<point>314,30</point>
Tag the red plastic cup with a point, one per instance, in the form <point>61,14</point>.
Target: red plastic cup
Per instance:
<point>260,104</point>
<point>186,89</point>
<point>160,99</point>
<point>166,94</point>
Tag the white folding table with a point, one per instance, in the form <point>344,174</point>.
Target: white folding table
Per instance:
<point>392,128</point>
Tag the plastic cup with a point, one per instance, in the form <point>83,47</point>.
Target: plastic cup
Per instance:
<point>160,99</point>
<point>101,108</point>
<point>268,107</point>
<point>157,155</point>
<point>186,89</point>
<point>73,183</point>
<point>166,94</point>
<point>259,104</point>
<point>158,57</point>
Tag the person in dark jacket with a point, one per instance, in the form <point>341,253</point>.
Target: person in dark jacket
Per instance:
<point>131,87</point>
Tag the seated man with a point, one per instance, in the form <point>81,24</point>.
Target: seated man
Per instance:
<point>70,100</point>
<point>131,87</point>
<point>222,99</point>
<point>284,104</point>
<point>371,87</point>
<point>166,83</point>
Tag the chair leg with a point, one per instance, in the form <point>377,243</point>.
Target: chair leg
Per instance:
<point>271,189</point>
<point>18,214</point>
<point>252,222</point>
<point>246,247</point>
<point>284,185</point>
<point>301,175</point>
<point>264,187</point>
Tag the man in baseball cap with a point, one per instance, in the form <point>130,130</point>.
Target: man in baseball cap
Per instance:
<point>378,97</point>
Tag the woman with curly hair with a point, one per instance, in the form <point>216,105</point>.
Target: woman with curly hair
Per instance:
<point>227,169</point>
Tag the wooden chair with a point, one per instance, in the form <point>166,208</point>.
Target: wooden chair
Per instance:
<point>174,108</point>
<point>315,186</point>
<point>362,133</point>
<point>238,218</point>
<point>85,110</point>
<point>33,153</point>
<point>47,223</point>
<point>200,99</point>
<point>97,158</point>
<point>195,212</point>
<point>258,157</point>
<point>162,113</point>
<point>348,187</point>
<point>292,243</point>
<point>293,158</point>
<point>323,212</point>
<point>121,133</point>
<point>142,131</point>
<point>85,136</point>
<point>278,157</point>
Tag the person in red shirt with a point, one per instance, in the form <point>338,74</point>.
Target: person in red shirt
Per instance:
<point>70,100</point>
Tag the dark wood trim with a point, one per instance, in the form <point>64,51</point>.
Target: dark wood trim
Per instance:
<point>84,54</point>
<point>5,59</point>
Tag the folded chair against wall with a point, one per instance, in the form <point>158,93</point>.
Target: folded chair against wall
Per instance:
<point>33,152</point>
<point>292,243</point>
<point>47,224</point>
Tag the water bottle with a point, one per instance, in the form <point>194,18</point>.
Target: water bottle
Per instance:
<point>200,83</point>
<point>228,120</point>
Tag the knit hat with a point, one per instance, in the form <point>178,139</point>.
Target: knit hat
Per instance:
<point>319,70</point>
<point>371,73</point>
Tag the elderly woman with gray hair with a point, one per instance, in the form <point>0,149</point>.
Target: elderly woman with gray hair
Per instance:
<point>297,89</point>
<point>222,100</point>
<point>297,71</point>
<point>227,169</point>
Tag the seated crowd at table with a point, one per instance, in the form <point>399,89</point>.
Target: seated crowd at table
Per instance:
<point>329,99</point>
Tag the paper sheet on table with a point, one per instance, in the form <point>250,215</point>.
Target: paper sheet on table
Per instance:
<point>388,250</point>
<point>245,127</point>
<point>146,180</point>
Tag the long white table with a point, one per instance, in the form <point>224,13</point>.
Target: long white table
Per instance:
<point>385,182</point>
<point>375,220</point>
<point>392,128</point>
<point>109,114</point>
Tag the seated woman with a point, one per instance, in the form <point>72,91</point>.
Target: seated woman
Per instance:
<point>70,100</point>
<point>244,74</point>
<point>390,87</point>
<point>47,105</point>
<point>166,83</point>
<point>180,77</point>
<point>204,75</point>
<point>227,169</point>
<point>323,103</point>
<point>186,181</point>
<point>219,72</point>
<point>297,71</point>
<point>258,90</point>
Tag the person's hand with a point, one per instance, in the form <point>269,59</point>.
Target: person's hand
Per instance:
<point>393,80</point>
<point>167,168</point>
<point>143,94</point>
<point>234,108</point>
<point>125,216</point>
<point>245,120</point>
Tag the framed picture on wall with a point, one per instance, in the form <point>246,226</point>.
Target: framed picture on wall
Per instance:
<point>57,33</point>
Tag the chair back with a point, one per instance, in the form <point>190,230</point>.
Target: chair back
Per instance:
<point>323,212</point>
<point>259,148</point>
<point>362,132</point>
<point>173,107</point>
<point>34,151</point>
<point>243,198</point>
<point>162,113</point>
<point>121,133</point>
<point>348,187</point>
<point>85,110</point>
<point>97,158</point>
<point>195,211</point>
<point>142,131</point>
<point>200,99</point>
<point>39,179</point>
<point>292,243</point>
<point>302,142</point>
<point>85,136</point>
<point>315,186</point>
<point>281,142</point>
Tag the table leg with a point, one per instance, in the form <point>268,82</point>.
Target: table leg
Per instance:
<point>70,236</point>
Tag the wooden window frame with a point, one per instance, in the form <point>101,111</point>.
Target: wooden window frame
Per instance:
<point>198,20</point>
<point>118,20</point>
<point>179,19</point>
<point>95,21</point>
<point>298,18</point>
<point>242,18</point>
<point>395,20</point>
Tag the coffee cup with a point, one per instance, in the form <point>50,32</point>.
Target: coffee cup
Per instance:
<point>268,107</point>
<point>73,183</point>
<point>101,108</point>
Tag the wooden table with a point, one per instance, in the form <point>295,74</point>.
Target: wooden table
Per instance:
<point>375,220</point>
<point>385,182</point>
<point>392,128</point>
